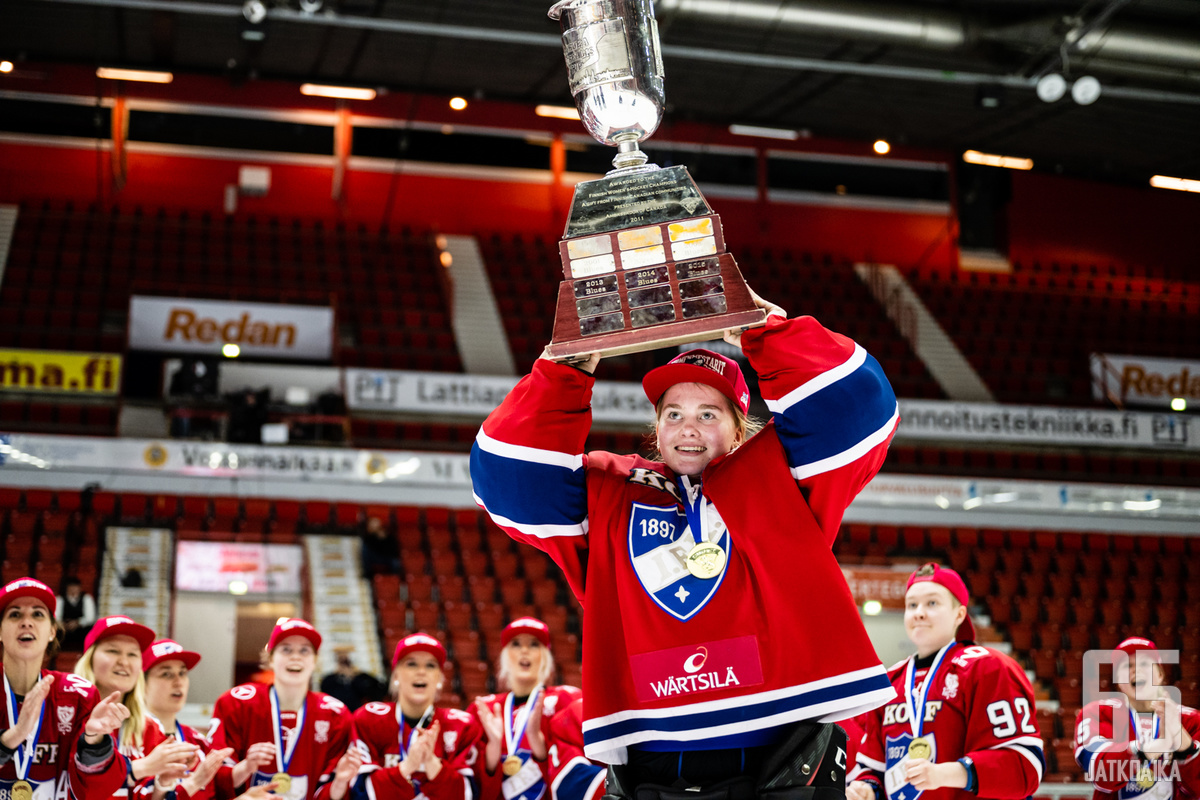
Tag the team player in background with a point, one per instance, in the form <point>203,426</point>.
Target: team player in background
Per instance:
<point>167,665</point>
<point>691,567</point>
<point>411,747</point>
<point>285,735</point>
<point>1145,746</point>
<point>533,747</point>
<point>112,659</point>
<point>961,721</point>
<point>57,731</point>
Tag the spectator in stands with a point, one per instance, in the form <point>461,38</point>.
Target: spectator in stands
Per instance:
<point>112,659</point>
<point>961,721</point>
<point>166,665</point>
<point>524,746</point>
<point>380,550</point>
<point>76,612</point>
<point>285,734</point>
<point>350,684</point>
<point>69,724</point>
<point>411,746</point>
<point>700,557</point>
<point>1150,744</point>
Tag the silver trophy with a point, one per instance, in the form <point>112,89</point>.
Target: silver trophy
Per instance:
<point>644,258</point>
<point>615,71</point>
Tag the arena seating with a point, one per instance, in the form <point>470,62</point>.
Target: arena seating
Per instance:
<point>72,269</point>
<point>1030,333</point>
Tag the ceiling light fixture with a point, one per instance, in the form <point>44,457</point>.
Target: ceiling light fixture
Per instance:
<point>142,75</point>
<point>1051,88</point>
<point>6,66</point>
<point>989,160</point>
<point>557,112</point>
<point>882,147</point>
<point>337,92</point>
<point>458,103</point>
<point>1086,90</point>
<point>1178,184</point>
<point>766,133</point>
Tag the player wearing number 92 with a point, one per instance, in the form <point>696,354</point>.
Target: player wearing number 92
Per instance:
<point>976,729</point>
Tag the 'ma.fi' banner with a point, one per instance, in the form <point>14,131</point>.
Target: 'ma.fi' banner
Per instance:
<point>1145,381</point>
<point>970,423</point>
<point>188,325</point>
<point>60,373</point>
<point>476,395</point>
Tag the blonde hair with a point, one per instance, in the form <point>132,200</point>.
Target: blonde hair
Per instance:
<point>132,729</point>
<point>504,670</point>
<point>744,425</point>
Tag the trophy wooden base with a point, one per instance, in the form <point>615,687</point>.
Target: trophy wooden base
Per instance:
<point>650,308</point>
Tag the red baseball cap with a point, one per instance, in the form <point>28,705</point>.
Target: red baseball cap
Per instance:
<point>28,587</point>
<point>293,627</point>
<point>419,643</point>
<point>118,626</point>
<point>699,366</point>
<point>535,627</point>
<point>1132,645</point>
<point>944,576</point>
<point>168,650</point>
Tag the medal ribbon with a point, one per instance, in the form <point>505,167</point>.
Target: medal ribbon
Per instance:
<point>1136,730</point>
<point>514,730</point>
<point>406,741</point>
<point>22,756</point>
<point>916,714</point>
<point>694,509</point>
<point>283,758</point>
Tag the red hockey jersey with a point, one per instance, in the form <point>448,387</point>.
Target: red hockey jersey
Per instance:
<point>185,733</point>
<point>1108,761</point>
<point>528,783</point>
<point>152,737</point>
<point>377,726</point>
<point>572,775</point>
<point>56,773</point>
<point>242,716</point>
<point>672,661</point>
<point>980,706</point>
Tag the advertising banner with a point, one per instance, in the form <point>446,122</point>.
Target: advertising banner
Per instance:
<point>188,325</point>
<point>476,395</point>
<point>96,374</point>
<point>971,423</point>
<point>1144,380</point>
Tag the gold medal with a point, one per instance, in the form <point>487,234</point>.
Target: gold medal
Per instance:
<point>1145,777</point>
<point>512,765</point>
<point>282,781</point>
<point>21,790</point>
<point>706,560</point>
<point>920,748</point>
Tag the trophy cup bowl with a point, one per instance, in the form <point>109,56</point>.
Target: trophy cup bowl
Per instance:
<point>643,254</point>
<point>614,68</point>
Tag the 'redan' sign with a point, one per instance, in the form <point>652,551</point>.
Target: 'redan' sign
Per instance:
<point>1144,380</point>
<point>187,325</point>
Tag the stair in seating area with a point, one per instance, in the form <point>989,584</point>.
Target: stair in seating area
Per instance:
<point>342,606</point>
<point>478,329</point>
<point>149,551</point>
<point>942,358</point>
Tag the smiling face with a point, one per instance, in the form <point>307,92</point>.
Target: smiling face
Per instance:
<point>26,629</point>
<point>696,423</point>
<point>294,661</point>
<point>167,686</point>
<point>417,679</point>
<point>1140,682</point>
<point>931,616</point>
<point>117,663</point>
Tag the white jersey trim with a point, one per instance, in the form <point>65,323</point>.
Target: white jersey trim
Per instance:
<point>850,454</point>
<point>814,385</point>
<point>591,790</point>
<point>537,531</point>
<point>532,455</point>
